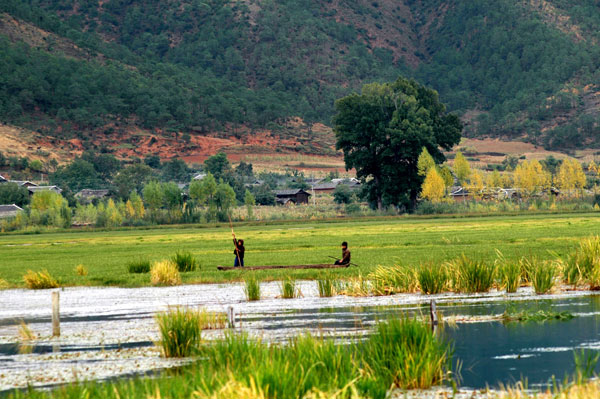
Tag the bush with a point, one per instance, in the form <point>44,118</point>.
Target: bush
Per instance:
<point>180,332</point>
<point>433,279</point>
<point>164,273</point>
<point>252,289</point>
<point>139,266</point>
<point>81,270</point>
<point>39,280</point>
<point>185,261</point>
<point>471,275</point>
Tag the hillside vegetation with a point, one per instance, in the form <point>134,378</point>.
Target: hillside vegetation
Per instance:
<point>90,68</point>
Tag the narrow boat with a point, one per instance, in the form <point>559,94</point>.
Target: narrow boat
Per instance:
<point>322,266</point>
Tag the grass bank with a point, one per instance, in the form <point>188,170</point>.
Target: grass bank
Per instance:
<point>376,242</point>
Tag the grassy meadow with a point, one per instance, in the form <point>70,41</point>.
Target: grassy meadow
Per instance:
<point>374,242</point>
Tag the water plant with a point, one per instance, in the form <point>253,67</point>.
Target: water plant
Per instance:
<point>583,265</point>
<point>326,287</point>
<point>542,274</point>
<point>211,320</point>
<point>138,266</point>
<point>470,275</point>
<point>355,286</point>
<point>185,261</point>
<point>180,332</point>
<point>539,315</point>
<point>289,289</point>
<point>509,273</point>
<point>433,279</point>
<point>393,279</point>
<point>81,270</point>
<point>164,273</point>
<point>252,289</point>
<point>39,280</point>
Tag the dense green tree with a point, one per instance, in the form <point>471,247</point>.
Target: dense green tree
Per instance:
<point>105,164</point>
<point>76,176</point>
<point>154,195</point>
<point>133,177</point>
<point>12,193</point>
<point>171,195</point>
<point>176,170</point>
<point>342,194</point>
<point>224,200</point>
<point>218,165</point>
<point>382,132</point>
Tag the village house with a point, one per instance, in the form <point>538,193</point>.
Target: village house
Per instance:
<point>35,189</point>
<point>287,197</point>
<point>9,211</point>
<point>23,183</point>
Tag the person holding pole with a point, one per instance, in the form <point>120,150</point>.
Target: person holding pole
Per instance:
<point>345,255</point>
<point>238,252</point>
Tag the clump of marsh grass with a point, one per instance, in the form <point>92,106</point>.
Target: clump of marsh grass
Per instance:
<point>26,335</point>
<point>542,275</point>
<point>81,270</point>
<point>180,332</point>
<point>326,287</point>
<point>252,289</point>
<point>39,280</point>
<point>393,280</point>
<point>583,265</point>
<point>164,273</point>
<point>185,261</point>
<point>4,284</point>
<point>356,286</point>
<point>139,266</point>
<point>469,275</point>
<point>211,320</point>
<point>289,289</point>
<point>509,273</point>
<point>433,279</point>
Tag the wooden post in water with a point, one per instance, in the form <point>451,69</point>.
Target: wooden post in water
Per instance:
<point>230,317</point>
<point>433,315</point>
<point>55,314</point>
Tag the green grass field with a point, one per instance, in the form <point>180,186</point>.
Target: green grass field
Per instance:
<point>385,242</point>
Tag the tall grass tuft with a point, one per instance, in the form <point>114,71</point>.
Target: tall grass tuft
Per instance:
<point>326,287</point>
<point>180,332</point>
<point>139,266</point>
<point>252,289</point>
<point>185,261</point>
<point>211,320</point>
<point>355,286</point>
<point>164,273</point>
<point>4,284</point>
<point>509,273</point>
<point>39,280</point>
<point>289,289</point>
<point>583,265</point>
<point>81,270</point>
<point>393,280</point>
<point>542,274</point>
<point>469,275</point>
<point>433,279</point>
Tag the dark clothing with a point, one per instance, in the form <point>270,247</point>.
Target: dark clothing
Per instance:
<point>345,258</point>
<point>239,253</point>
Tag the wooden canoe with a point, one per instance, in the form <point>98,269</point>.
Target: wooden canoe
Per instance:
<point>322,266</point>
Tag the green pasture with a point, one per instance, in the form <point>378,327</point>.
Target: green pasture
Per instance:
<point>385,242</point>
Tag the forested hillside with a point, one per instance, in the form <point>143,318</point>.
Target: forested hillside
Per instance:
<point>93,68</point>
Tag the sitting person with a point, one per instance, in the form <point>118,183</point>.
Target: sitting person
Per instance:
<point>345,255</point>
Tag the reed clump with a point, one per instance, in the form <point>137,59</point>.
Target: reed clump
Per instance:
<point>164,273</point>
<point>326,287</point>
<point>252,289</point>
<point>470,275</point>
<point>355,286</point>
<point>393,280</point>
<point>289,289</point>
<point>39,280</point>
<point>4,284</point>
<point>583,264</point>
<point>139,266</point>
<point>542,275</point>
<point>433,279</point>
<point>180,332</point>
<point>185,261</point>
<point>509,273</point>
<point>211,320</point>
<point>81,270</point>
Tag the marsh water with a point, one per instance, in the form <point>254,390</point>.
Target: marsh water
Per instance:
<point>111,331</point>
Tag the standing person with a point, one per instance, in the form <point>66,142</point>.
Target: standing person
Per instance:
<point>345,255</point>
<point>238,252</point>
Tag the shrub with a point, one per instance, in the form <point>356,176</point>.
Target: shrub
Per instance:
<point>252,289</point>
<point>164,273</point>
<point>433,279</point>
<point>139,266</point>
<point>81,270</point>
<point>289,289</point>
<point>180,332</point>
<point>471,275</point>
<point>542,275</point>
<point>509,273</point>
<point>39,280</point>
<point>393,280</point>
<point>185,261</point>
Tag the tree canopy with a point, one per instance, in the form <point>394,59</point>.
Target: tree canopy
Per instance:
<point>382,132</point>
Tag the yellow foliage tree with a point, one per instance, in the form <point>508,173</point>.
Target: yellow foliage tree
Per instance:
<point>434,188</point>
<point>570,176</point>
<point>592,167</point>
<point>446,174</point>
<point>425,162</point>
<point>462,169</point>
<point>531,178</point>
<point>494,179</point>
<point>476,184</point>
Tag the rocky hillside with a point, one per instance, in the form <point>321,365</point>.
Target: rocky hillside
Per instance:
<point>113,74</point>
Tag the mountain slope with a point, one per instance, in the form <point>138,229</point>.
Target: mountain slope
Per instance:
<point>92,69</point>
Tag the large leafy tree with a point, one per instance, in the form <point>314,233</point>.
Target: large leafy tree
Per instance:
<point>382,132</point>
